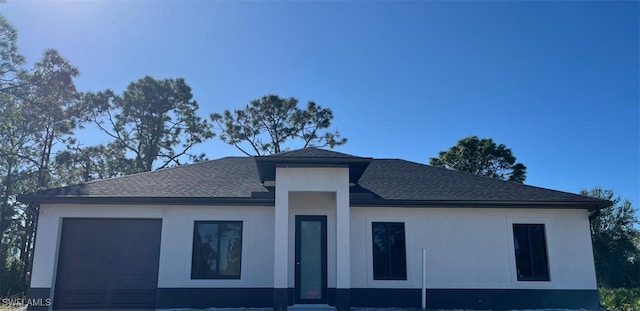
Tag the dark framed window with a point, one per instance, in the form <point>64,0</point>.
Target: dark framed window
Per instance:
<point>389,251</point>
<point>530,245</point>
<point>217,250</point>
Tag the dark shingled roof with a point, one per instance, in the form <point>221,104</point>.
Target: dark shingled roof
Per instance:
<point>404,180</point>
<point>384,181</point>
<point>225,177</point>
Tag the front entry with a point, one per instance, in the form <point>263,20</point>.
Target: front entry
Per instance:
<point>311,260</point>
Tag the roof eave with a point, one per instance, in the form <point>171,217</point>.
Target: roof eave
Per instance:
<point>270,201</point>
<point>251,201</point>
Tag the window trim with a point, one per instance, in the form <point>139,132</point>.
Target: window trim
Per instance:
<point>406,267</point>
<point>217,276</point>
<point>549,226</point>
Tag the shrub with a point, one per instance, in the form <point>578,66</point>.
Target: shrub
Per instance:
<point>620,299</point>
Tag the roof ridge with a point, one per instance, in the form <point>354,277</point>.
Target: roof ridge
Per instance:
<point>293,150</point>
<point>311,152</point>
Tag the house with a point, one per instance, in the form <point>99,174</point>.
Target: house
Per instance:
<point>312,226</point>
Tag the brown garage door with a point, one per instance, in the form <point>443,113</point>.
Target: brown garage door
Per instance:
<point>108,263</point>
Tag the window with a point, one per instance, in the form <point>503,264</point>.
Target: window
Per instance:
<point>530,246</point>
<point>389,251</point>
<point>217,250</point>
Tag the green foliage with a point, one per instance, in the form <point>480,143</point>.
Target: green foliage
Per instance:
<point>621,299</point>
<point>155,120</point>
<point>267,124</point>
<point>482,157</point>
<point>615,241</point>
<point>38,111</point>
<point>13,144</point>
<point>10,58</point>
<point>51,101</point>
<point>77,165</point>
<point>13,279</point>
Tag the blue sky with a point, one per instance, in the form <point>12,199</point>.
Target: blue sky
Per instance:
<point>557,82</point>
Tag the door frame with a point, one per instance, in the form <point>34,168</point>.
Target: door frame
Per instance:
<point>323,224</point>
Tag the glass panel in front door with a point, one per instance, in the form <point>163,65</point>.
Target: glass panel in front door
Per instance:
<point>311,260</point>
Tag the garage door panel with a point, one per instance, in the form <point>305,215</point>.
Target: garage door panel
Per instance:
<point>108,263</point>
<point>88,282</point>
<point>138,265</point>
<point>88,299</point>
<point>126,299</point>
<point>132,281</point>
<point>128,249</point>
<point>100,282</point>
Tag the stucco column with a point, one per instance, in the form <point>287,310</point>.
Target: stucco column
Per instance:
<point>281,249</point>
<point>43,270</point>
<point>343,246</point>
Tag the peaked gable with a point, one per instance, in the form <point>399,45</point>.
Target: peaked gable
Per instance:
<point>311,157</point>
